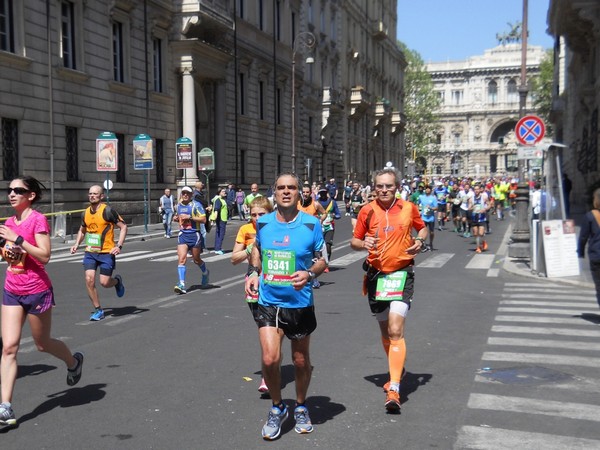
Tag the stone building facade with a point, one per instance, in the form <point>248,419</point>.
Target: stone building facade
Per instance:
<point>221,73</point>
<point>479,111</point>
<point>576,28</point>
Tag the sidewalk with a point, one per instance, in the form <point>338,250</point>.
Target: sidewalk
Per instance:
<point>522,268</point>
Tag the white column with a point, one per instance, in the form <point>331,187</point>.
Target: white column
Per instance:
<point>220,113</point>
<point>189,114</point>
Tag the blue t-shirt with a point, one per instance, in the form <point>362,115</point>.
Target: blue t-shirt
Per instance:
<point>193,209</point>
<point>441,194</point>
<point>286,248</point>
<point>428,202</point>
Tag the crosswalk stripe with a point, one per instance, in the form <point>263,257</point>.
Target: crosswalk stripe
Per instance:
<point>559,311</point>
<point>567,410</point>
<point>436,261</point>
<point>346,260</point>
<point>545,331</point>
<point>481,262</point>
<point>534,319</point>
<point>550,297</point>
<point>538,358</point>
<point>532,303</point>
<point>487,438</point>
<point>566,291</point>
<point>541,343</point>
<point>534,285</point>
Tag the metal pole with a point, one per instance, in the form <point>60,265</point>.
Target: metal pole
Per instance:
<point>294,110</point>
<point>520,245</point>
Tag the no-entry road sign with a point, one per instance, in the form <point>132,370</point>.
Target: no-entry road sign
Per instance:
<point>530,130</point>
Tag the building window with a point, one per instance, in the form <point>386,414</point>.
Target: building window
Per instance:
<point>157,62</point>
<point>7,33</point>
<point>261,15</point>
<point>10,148</point>
<point>68,35</point>
<point>121,158</point>
<point>242,87</point>
<point>293,27</point>
<point>441,95</point>
<point>278,20</point>
<point>457,139</point>
<point>278,106</point>
<point>243,166</point>
<point>438,139</point>
<point>118,57</point>
<point>279,165</point>
<point>511,162</point>
<point>457,97</point>
<point>311,15</point>
<point>72,153</point>
<point>310,129</point>
<point>512,92</point>
<point>323,27</point>
<point>160,160</point>
<point>240,8</point>
<point>261,100</point>
<point>333,30</point>
<point>492,92</point>
<point>493,164</point>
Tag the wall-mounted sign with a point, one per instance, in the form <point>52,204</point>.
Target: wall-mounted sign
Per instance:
<point>107,145</point>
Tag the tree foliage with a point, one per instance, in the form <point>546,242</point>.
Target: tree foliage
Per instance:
<point>420,105</point>
<point>541,88</point>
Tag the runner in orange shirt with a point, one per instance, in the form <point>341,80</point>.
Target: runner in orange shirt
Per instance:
<point>243,247</point>
<point>384,229</point>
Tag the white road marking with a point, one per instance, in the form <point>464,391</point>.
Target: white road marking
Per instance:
<point>535,358</point>
<point>481,262</point>
<point>546,331</point>
<point>533,303</point>
<point>560,311</point>
<point>567,410</point>
<point>487,438</point>
<point>544,343</point>
<point>436,261</point>
<point>565,297</point>
<point>533,319</point>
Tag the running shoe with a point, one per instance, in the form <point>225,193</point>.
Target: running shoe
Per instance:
<point>477,250</point>
<point>303,423</point>
<point>119,287</point>
<point>204,281</point>
<point>467,234</point>
<point>97,315</point>
<point>263,389</point>
<point>74,375</point>
<point>219,252</point>
<point>180,289</point>
<point>316,284</point>
<point>7,415</point>
<point>272,429</point>
<point>386,386</point>
<point>485,246</point>
<point>392,401</point>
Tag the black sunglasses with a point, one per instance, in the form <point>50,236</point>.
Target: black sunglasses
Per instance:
<point>17,190</point>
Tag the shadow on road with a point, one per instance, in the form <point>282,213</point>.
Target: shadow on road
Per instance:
<point>124,311</point>
<point>594,318</point>
<point>35,369</point>
<point>410,382</point>
<point>67,399</point>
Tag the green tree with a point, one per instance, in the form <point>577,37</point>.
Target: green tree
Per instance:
<point>420,105</point>
<point>541,89</point>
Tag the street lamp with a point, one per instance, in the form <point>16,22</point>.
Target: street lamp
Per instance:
<point>305,39</point>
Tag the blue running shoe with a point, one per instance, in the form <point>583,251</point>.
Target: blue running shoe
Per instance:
<point>316,284</point>
<point>74,375</point>
<point>180,289</point>
<point>97,315</point>
<point>272,429</point>
<point>303,423</point>
<point>205,278</point>
<point>7,415</point>
<point>119,287</point>
<point>219,252</point>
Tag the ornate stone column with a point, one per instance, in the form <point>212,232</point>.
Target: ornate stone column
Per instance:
<point>189,114</point>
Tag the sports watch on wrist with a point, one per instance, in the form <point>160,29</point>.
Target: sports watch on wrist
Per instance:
<point>19,240</point>
<point>311,275</point>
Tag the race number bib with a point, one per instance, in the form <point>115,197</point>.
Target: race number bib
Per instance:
<point>390,287</point>
<point>93,242</point>
<point>278,266</point>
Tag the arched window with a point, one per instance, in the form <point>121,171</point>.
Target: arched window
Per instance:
<point>513,93</point>
<point>492,92</point>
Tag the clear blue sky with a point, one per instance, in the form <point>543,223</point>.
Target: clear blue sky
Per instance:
<point>443,30</point>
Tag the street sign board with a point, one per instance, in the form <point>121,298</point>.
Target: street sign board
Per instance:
<point>184,151</point>
<point>529,152</point>
<point>206,159</point>
<point>106,152</point>
<point>142,152</point>
<point>530,130</point>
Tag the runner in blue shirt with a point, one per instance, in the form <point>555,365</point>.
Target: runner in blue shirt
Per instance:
<point>288,253</point>
<point>428,205</point>
<point>441,194</point>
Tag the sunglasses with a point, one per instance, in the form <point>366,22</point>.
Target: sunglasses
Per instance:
<point>17,190</point>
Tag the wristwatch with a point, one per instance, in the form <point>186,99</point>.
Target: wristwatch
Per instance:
<point>19,240</point>
<point>120,247</point>
<point>311,275</point>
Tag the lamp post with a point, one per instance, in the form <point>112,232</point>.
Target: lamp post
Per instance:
<point>305,39</point>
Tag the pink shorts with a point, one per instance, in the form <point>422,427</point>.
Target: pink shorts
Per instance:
<point>31,303</point>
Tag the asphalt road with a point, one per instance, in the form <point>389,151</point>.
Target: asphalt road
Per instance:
<point>164,371</point>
